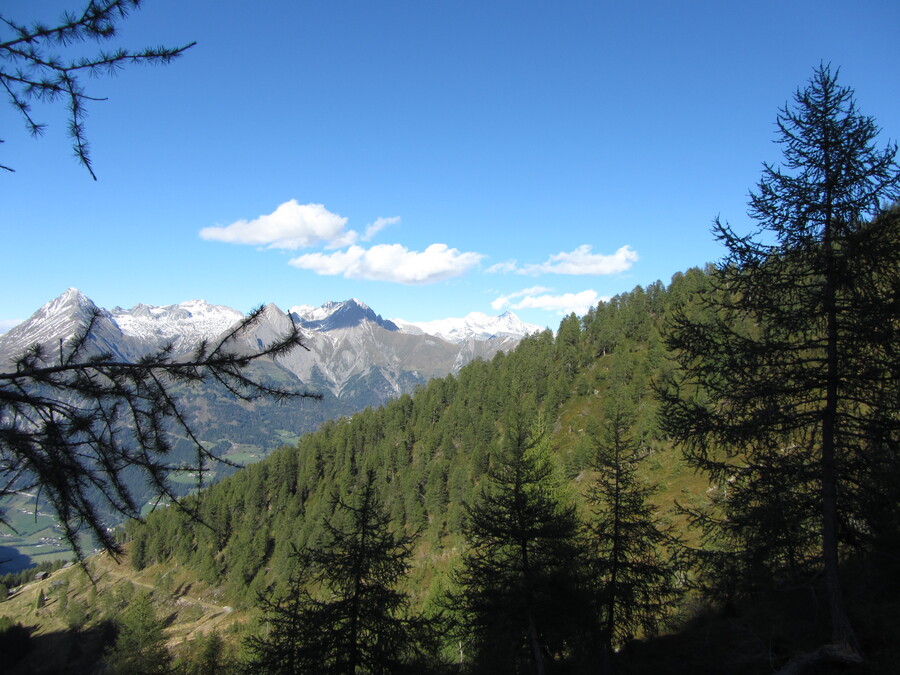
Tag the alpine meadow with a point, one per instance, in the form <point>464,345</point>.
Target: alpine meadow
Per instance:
<point>699,476</point>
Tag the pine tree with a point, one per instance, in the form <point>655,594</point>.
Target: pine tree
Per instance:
<point>140,646</point>
<point>286,642</point>
<point>790,385</point>
<point>519,599</point>
<point>354,620</point>
<point>635,567</point>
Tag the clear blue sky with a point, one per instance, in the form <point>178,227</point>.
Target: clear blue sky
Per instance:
<point>466,156</point>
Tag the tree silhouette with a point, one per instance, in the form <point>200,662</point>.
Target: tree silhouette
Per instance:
<point>633,568</point>
<point>354,620</point>
<point>40,63</point>
<point>73,422</point>
<point>790,381</point>
<point>520,598</point>
<point>140,646</point>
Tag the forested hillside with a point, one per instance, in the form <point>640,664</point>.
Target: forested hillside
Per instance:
<point>698,476</point>
<point>530,510</point>
<point>565,432</point>
<point>430,450</point>
<point>431,453</point>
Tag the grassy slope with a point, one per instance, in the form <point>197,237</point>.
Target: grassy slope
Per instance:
<point>188,608</point>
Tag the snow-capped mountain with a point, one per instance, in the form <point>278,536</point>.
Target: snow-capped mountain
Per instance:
<point>126,333</point>
<point>355,348</point>
<point>59,320</point>
<point>354,358</point>
<point>352,352</point>
<point>475,326</point>
<point>184,324</point>
<point>334,315</point>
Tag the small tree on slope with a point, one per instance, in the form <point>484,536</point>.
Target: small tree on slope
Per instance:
<point>520,598</point>
<point>634,567</point>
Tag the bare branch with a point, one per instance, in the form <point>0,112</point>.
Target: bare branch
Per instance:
<point>74,422</point>
<point>34,65</point>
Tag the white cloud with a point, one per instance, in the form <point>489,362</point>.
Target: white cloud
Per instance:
<point>391,262</point>
<point>290,226</point>
<point>504,300</point>
<point>500,267</point>
<point>380,223</point>
<point>582,261</point>
<point>538,298</point>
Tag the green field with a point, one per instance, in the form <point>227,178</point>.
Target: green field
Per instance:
<point>31,535</point>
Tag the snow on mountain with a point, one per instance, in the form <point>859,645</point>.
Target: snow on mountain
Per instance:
<point>184,324</point>
<point>57,319</point>
<point>475,326</point>
<point>351,350</point>
<point>333,315</point>
<point>60,319</point>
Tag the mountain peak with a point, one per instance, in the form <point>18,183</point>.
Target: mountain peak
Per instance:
<point>71,297</point>
<point>333,315</point>
<point>57,321</point>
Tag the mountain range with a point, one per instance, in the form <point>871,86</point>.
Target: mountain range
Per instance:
<point>355,358</point>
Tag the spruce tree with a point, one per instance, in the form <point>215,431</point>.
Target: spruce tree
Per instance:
<point>790,381</point>
<point>634,566</point>
<point>343,613</point>
<point>519,600</point>
<point>140,646</point>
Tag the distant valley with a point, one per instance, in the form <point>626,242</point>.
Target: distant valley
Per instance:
<point>355,359</point>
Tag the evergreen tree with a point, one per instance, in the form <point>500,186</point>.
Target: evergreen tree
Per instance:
<point>519,598</point>
<point>140,647</point>
<point>208,656</point>
<point>283,645</point>
<point>357,622</point>
<point>634,568</point>
<point>791,382</point>
<point>15,641</point>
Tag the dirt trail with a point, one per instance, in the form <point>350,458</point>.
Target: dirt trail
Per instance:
<point>180,599</point>
<point>214,617</point>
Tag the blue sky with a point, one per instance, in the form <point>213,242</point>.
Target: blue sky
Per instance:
<point>429,158</point>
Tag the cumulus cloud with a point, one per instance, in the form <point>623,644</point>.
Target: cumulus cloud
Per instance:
<point>380,223</point>
<point>290,226</point>
<point>539,298</point>
<point>504,300</point>
<point>500,267</point>
<point>582,261</point>
<point>391,262</point>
